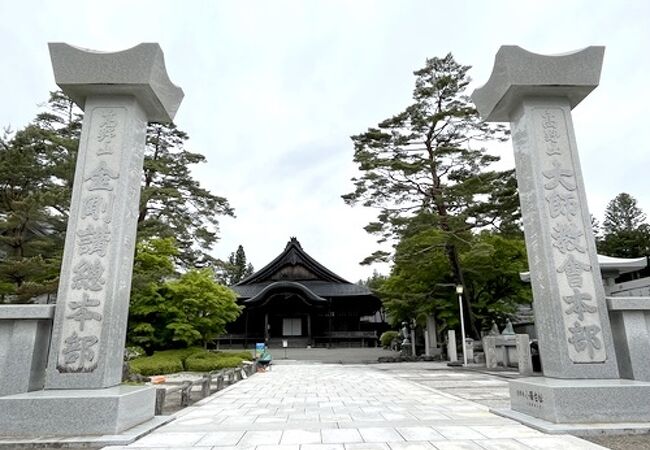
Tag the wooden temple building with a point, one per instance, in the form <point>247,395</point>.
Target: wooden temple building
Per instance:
<point>297,300</point>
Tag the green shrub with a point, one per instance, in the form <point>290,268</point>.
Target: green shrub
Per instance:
<point>156,365</point>
<point>180,353</point>
<point>193,359</point>
<point>206,362</point>
<point>244,355</point>
<point>133,352</point>
<point>387,338</point>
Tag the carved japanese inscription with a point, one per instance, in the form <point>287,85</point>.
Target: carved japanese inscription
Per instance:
<point>86,292</point>
<point>567,236</point>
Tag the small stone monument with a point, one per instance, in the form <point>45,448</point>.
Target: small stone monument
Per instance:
<point>452,353</point>
<point>536,93</point>
<point>119,93</point>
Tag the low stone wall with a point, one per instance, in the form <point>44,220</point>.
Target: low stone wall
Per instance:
<point>508,351</point>
<point>632,288</point>
<point>24,344</point>
<point>630,320</point>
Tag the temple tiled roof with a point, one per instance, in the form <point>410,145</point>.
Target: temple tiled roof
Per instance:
<point>295,265</point>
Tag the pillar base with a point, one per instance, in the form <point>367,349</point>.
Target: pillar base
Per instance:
<point>76,412</point>
<point>575,401</point>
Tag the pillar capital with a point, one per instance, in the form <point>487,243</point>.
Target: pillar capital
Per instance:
<point>518,73</point>
<point>139,71</point>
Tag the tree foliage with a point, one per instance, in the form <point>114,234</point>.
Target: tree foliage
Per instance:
<point>421,283</point>
<point>199,307</point>
<point>236,268</point>
<point>626,232</point>
<point>426,169</point>
<point>168,310</point>
<point>34,194</point>
<point>37,166</point>
<point>148,312</point>
<point>172,202</point>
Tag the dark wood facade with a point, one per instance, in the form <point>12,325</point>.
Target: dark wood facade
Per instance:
<point>296,299</point>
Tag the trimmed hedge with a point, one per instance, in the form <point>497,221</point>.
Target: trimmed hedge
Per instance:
<point>156,365</point>
<point>244,355</point>
<point>193,359</point>
<point>206,362</point>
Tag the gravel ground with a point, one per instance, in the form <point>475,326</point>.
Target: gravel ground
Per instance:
<point>630,442</point>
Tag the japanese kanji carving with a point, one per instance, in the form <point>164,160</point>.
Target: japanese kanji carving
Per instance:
<point>93,240</point>
<point>573,270</point>
<point>93,206</point>
<point>578,301</point>
<point>551,135</point>
<point>101,178</point>
<point>82,313</point>
<point>566,237</point>
<point>558,176</point>
<point>78,349</point>
<point>562,205</point>
<point>106,133</point>
<point>88,276</point>
<point>585,338</point>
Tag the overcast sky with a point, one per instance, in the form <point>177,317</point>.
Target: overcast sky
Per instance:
<point>274,89</point>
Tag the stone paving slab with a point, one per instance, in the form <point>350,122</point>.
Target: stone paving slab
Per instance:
<point>321,407</point>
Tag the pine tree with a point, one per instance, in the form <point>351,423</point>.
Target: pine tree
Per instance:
<point>236,268</point>
<point>37,167</point>
<point>426,166</point>
<point>625,230</point>
<point>173,203</point>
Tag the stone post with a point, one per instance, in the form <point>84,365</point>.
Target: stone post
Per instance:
<point>430,333</point>
<point>524,360</point>
<point>451,346</point>
<point>427,349</point>
<point>536,93</point>
<point>119,93</point>
<point>490,349</point>
<point>469,349</point>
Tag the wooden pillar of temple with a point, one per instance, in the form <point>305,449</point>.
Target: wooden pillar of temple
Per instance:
<point>266,328</point>
<point>329,318</point>
<point>309,328</point>
<point>246,328</point>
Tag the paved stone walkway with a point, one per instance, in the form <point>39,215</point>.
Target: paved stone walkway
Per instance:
<point>334,407</point>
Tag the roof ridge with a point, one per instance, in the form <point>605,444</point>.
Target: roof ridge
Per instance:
<point>293,254</point>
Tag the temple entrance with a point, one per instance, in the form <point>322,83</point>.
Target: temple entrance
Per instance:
<point>291,326</point>
<point>296,300</point>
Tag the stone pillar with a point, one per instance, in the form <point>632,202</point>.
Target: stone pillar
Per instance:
<point>431,333</point>
<point>536,93</point>
<point>469,349</point>
<point>490,349</point>
<point>427,349</point>
<point>95,282</point>
<point>451,346</point>
<point>524,360</point>
<point>119,93</point>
